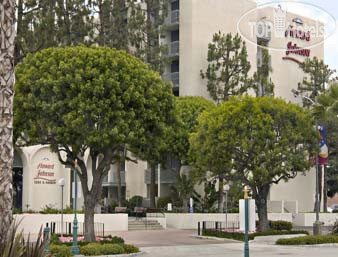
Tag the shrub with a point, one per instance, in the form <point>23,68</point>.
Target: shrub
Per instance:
<point>335,211</point>
<point>90,249</point>
<point>162,202</point>
<point>101,249</point>
<point>60,250</point>
<point>114,240</point>
<point>54,239</point>
<point>308,240</point>
<point>334,229</point>
<point>281,225</point>
<point>130,249</point>
<point>240,236</point>
<point>111,249</point>
<point>49,209</point>
<point>135,201</point>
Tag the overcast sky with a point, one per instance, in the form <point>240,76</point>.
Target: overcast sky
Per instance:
<point>329,6</point>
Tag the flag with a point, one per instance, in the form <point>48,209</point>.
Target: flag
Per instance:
<point>324,151</point>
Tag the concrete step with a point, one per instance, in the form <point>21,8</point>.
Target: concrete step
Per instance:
<point>144,225</point>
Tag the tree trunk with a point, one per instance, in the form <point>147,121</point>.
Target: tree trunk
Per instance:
<point>90,202</point>
<point>119,184</point>
<point>152,184</point>
<point>220,195</point>
<point>7,45</point>
<point>262,209</point>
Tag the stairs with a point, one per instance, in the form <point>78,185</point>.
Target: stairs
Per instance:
<point>143,224</point>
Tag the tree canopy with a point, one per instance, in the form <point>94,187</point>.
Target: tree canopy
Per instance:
<point>227,72</point>
<point>258,141</point>
<point>96,99</point>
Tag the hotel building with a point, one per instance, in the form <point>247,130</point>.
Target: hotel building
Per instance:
<point>190,26</point>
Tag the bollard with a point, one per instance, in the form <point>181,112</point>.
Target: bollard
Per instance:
<point>199,228</point>
<point>46,238</point>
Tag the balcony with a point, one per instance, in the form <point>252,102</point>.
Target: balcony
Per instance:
<point>173,77</point>
<point>111,179</point>
<point>168,176</point>
<point>175,17</point>
<point>174,48</point>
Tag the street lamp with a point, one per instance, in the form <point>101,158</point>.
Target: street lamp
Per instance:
<point>75,248</point>
<point>226,189</point>
<point>317,223</point>
<point>61,184</point>
<point>246,213</point>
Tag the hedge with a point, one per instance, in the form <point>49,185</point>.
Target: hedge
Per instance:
<point>240,236</point>
<point>61,251</point>
<point>308,240</point>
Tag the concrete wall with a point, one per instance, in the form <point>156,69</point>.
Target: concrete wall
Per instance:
<point>189,221</point>
<point>31,223</point>
<point>307,219</point>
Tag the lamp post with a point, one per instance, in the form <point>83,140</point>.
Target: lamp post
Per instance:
<point>226,189</point>
<point>61,184</point>
<point>317,224</point>
<point>246,212</point>
<point>75,248</point>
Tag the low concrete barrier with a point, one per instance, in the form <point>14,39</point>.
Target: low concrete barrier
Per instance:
<point>190,220</point>
<point>307,219</point>
<point>31,223</point>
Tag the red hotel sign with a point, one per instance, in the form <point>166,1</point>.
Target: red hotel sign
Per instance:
<point>293,48</point>
<point>45,173</point>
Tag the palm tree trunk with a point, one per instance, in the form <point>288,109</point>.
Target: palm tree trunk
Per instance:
<point>7,45</point>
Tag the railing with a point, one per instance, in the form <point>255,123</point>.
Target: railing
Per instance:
<point>217,226</point>
<point>175,16</point>
<point>166,176</point>
<point>174,48</point>
<point>67,228</point>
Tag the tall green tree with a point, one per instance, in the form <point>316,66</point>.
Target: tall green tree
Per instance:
<point>326,112</point>
<point>7,80</point>
<point>80,99</point>
<point>146,25</point>
<point>51,23</point>
<point>228,68</point>
<point>318,75</point>
<point>258,141</point>
<point>262,82</point>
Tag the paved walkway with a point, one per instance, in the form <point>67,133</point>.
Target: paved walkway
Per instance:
<point>182,243</point>
<point>236,250</point>
<point>168,237</point>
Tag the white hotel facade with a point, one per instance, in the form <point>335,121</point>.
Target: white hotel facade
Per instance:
<point>190,27</point>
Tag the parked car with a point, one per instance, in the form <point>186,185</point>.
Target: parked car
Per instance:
<point>333,208</point>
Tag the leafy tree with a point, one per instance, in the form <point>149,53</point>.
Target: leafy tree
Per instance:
<point>51,23</point>
<point>326,112</point>
<point>185,189</point>
<point>7,36</point>
<point>93,100</point>
<point>318,76</point>
<point>188,108</point>
<point>227,72</point>
<point>262,82</point>
<point>146,25</point>
<point>258,141</point>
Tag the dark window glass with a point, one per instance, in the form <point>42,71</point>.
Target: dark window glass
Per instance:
<point>175,35</point>
<point>175,66</point>
<point>175,5</point>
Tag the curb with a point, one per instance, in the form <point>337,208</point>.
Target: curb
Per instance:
<point>115,255</point>
<point>216,238</point>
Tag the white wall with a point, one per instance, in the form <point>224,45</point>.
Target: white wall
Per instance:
<point>189,221</point>
<point>307,219</point>
<point>31,223</point>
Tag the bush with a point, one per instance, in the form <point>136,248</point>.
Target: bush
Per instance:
<point>115,240</point>
<point>54,239</point>
<point>308,240</point>
<point>162,202</point>
<point>240,236</point>
<point>281,225</point>
<point>111,249</point>
<point>135,201</point>
<point>60,250</point>
<point>90,249</point>
<point>334,229</point>
<point>130,249</point>
<point>101,249</point>
<point>49,209</point>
